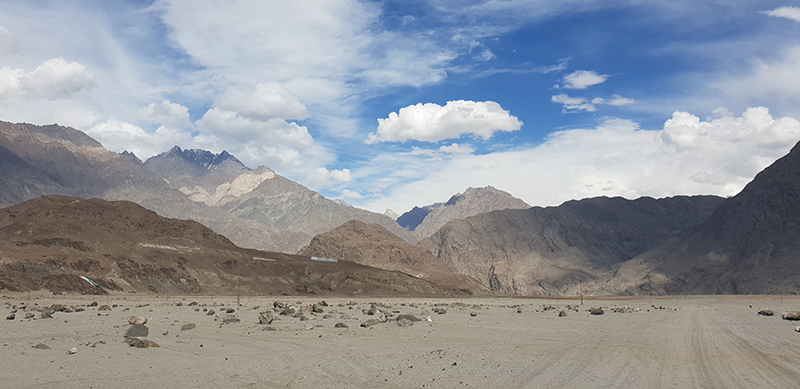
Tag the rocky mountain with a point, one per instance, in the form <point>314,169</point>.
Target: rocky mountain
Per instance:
<point>424,222</point>
<point>254,208</point>
<point>374,245</point>
<point>50,242</point>
<point>551,251</point>
<point>749,245</point>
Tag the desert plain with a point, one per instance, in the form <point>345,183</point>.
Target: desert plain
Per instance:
<point>642,342</point>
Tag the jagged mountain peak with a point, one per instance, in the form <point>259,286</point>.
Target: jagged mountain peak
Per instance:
<point>198,157</point>
<point>131,156</point>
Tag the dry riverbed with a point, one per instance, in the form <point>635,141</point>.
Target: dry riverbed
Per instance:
<point>670,342</point>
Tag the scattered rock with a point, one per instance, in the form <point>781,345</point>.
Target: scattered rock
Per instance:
<point>137,320</point>
<point>265,318</point>
<point>230,310</point>
<point>440,311</point>
<point>58,308</point>
<point>141,343</point>
<point>307,317</point>
<point>210,312</point>
<point>797,329</point>
<point>193,303</point>
<point>596,311</point>
<point>340,325</point>
<point>47,313</point>
<point>562,314</point>
<point>791,315</point>
<point>11,316</point>
<point>766,312</point>
<point>73,350</point>
<point>408,317</point>
<point>316,308</point>
<point>404,323</point>
<point>188,326</point>
<point>29,315</point>
<point>136,331</point>
<point>370,323</point>
<point>104,308</point>
<point>104,313</point>
<point>227,319</point>
<point>92,304</point>
<point>473,314</point>
<point>268,328</point>
<point>41,346</point>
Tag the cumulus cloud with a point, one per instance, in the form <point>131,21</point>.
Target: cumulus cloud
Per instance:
<point>54,79</point>
<point>582,79</point>
<point>617,158</point>
<point>791,13</point>
<point>269,101</point>
<point>432,122</point>
<point>231,127</point>
<point>167,113</point>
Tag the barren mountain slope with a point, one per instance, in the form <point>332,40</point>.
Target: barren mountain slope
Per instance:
<point>48,242</point>
<point>549,251</point>
<point>374,245</point>
<point>472,202</point>
<point>750,245</point>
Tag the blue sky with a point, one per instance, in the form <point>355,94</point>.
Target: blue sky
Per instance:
<point>395,104</point>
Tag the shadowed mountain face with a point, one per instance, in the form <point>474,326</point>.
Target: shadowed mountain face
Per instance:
<point>374,245</point>
<point>750,245</point>
<point>424,222</point>
<point>549,251</point>
<point>49,242</point>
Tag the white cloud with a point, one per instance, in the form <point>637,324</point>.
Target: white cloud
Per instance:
<point>617,158</point>
<point>456,148</point>
<point>320,176</point>
<point>582,79</point>
<point>269,101</point>
<point>573,104</point>
<point>432,122</point>
<point>54,79</point>
<point>120,136</point>
<point>778,79</point>
<point>791,13</point>
<point>349,194</point>
<point>229,127</point>
<point>167,113</point>
<point>616,100</point>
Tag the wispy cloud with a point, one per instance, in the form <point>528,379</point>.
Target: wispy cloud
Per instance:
<point>791,13</point>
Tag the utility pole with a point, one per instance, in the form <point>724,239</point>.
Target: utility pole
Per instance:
<point>238,283</point>
<point>581,286</point>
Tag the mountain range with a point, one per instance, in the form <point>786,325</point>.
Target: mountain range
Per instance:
<point>482,238</point>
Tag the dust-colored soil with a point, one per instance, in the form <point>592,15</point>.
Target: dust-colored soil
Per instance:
<point>708,342</point>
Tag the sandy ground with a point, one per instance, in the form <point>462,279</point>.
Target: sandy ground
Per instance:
<point>694,342</point>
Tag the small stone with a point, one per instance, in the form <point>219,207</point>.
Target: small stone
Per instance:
<point>92,304</point>
<point>230,310</point>
<point>596,311</point>
<point>227,319</point>
<point>370,323</point>
<point>102,313</point>
<point>473,314</point>
<point>408,317</point>
<point>316,308</point>
<point>11,316</point>
<point>268,328</point>
<point>792,315</point>
<point>141,343</point>
<point>41,346</point>
<point>340,325</point>
<point>137,320</point>
<point>562,314</point>
<point>104,308</point>
<point>440,311</point>
<point>307,317</point>
<point>188,326</point>
<point>29,315</point>
<point>73,350</point>
<point>47,313</point>
<point>210,312</point>
<point>766,312</point>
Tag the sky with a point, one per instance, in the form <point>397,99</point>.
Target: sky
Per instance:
<point>395,104</point>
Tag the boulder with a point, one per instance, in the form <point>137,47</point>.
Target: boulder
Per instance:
<point>73,350</point>
<point>41,346</point>
<point>210,312</point>
<point>29,315</point>
<point>408,317</point>
<point>230,310</point>
<point>596,311</point>
<point>766,312</point>
<point>47,313</point>
<point>227,319</point>
<point>188,326</point>
<point>562,314</point>
<point>316,308</point>
<point>791,315</point>
<point>137,320</point>
<point>137,331</point>
<point>370,323</point>
<point>11,316</point>
<point>340,325</point>
<point>404,323</point>
<point>104,308</point>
